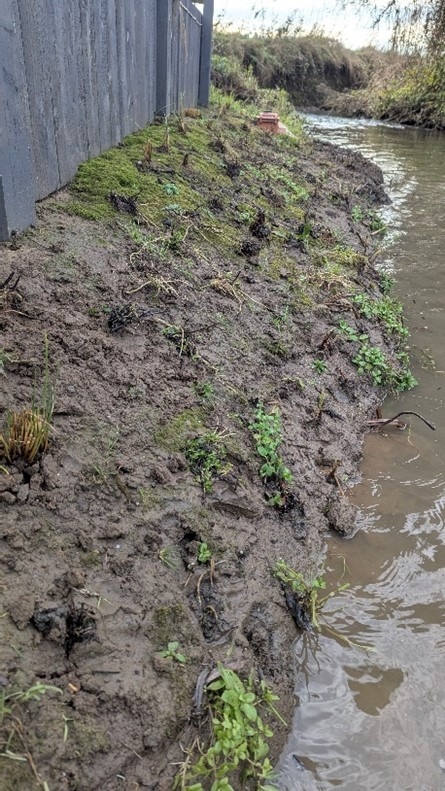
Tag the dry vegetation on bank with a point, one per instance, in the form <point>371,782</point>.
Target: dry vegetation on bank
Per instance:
<point>316,71</point>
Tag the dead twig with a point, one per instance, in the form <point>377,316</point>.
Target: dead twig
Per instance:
<point>383,422</point>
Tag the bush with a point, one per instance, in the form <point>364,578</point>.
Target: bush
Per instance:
<point>298,64</point>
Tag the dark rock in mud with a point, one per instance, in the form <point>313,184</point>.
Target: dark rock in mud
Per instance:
<point>342,517</point>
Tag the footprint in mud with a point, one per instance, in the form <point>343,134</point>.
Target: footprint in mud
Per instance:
<point>67,624</point>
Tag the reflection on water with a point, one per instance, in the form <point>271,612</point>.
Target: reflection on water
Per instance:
<point>375,719</point>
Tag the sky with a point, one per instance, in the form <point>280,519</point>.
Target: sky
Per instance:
<point>352,29</point>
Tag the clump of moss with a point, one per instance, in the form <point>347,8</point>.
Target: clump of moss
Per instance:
<point>169,623</point>
<point>173,435</point>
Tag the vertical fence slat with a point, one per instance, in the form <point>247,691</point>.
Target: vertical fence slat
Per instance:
<point>88,65</point>
<point>34,27</point>
<point>68,89</point>
<point>164,46</point>
<point>206,53</point>
<point>17,194</point>
<point>151,58</point>
<point>113,72</point>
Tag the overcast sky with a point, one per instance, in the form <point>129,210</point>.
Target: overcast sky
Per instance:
<point>353,30</point>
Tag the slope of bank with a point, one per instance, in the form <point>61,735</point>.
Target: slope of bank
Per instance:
<point>201,280</point>
<point>307,67</point>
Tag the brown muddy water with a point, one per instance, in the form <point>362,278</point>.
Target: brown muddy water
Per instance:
<point>375,719</point>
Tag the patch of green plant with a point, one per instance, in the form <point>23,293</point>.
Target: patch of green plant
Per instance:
<point>386,283</point>
<point>106,438</point>
<point>386,310</point>
<point>145,243</point>
<point>170,189</point>
<point>171,652</point>
<point>307,589</point>
<point>279,348</point>
<point>402,380</point>
<point>320,366</point>
<point>372,219</point>
<point>27,433</point>
<point>282,319</point>
<point>376,223</point>
<point>349,332</point>
<point>357,213</point>
<point>204,552</point>
<point>206,457</point>
<point>371,360</point>
<point>297,191</point>
<point>267,433</point>
<point>205,392</point>
<point>236,751</point>
<point>173,434</point>
<point>245,214</point>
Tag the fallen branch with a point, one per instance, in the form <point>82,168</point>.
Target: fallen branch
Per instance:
<point>384,422</point>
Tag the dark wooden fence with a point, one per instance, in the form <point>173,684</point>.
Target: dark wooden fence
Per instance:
<point>76,76</point>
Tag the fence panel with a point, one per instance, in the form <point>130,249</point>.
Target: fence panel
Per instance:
<point>76,76</point>
<point>186,47</point>
<point>16,174</point>
<point>37,26</point>
<point>68,88</point>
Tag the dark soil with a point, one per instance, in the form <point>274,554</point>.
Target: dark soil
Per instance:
<point>100,535</point>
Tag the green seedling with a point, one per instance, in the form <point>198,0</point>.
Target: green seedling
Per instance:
<point>204,553</point>
<point>319,366</point>
<point>308,590</point>
<point>206,457</point>
<point>282,319</point>
<point>171,652</point>
<point>357,214</point>
<point>386,283</point>
<point>266,429</point>
<point>371,360</point>
<point>403,380</point>
<point>8,701</point>
<point>237,750</point>
<point>171,189</point>
<point>350,333</point>
<point>205,391</point>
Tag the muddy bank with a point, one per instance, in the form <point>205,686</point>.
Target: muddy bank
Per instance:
<point>212,281</point>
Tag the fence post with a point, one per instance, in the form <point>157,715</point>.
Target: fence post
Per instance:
<point>164,15</point>
<point>206,54</point>
<point>17,194</point>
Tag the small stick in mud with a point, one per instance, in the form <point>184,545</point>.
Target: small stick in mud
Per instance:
<point>384,422</point>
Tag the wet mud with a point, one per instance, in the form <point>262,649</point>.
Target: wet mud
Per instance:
<point>101,535</point>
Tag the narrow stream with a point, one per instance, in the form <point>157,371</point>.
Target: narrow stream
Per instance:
<point>375,720</point>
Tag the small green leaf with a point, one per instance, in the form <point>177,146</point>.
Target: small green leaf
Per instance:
<point>250,711</point>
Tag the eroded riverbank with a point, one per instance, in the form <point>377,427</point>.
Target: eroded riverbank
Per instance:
<point>227,282</point>
<point>385,706</point>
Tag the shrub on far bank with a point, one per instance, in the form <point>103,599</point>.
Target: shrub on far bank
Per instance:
<point>297,64</point>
